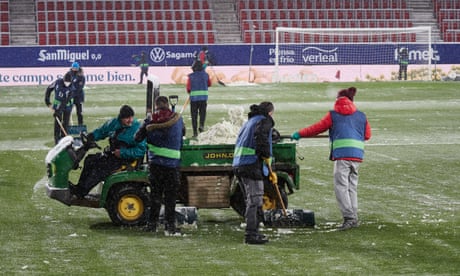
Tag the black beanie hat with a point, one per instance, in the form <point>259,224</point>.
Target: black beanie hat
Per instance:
<point>197,66</point>
<point>349,93</point>
<point>125,112</point>
<point>67,77</point>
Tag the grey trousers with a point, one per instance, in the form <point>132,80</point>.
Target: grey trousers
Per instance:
<point>253,192</point>
<point>346,187</point>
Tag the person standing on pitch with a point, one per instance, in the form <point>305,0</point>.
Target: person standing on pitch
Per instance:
<point>61,106</point>
<point>403,60</point>
<point>143,63</point>
<point>164,132</point>
<point>348,129</point>
<point>197,87</point>
<point>253,151</point>
<point>78,83</point>
<point>205,57</point>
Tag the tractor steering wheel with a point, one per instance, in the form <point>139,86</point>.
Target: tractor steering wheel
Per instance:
<point>88,143</point>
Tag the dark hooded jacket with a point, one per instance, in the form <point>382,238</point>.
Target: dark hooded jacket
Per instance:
<point>256,134</point>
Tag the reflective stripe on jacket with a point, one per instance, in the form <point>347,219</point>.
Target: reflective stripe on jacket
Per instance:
<point>347,135</point>
<point>245,147</point>
<point>199,86</point>
<point>164,145</point>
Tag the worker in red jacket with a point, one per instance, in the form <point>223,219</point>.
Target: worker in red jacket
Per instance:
<point>348,129</point>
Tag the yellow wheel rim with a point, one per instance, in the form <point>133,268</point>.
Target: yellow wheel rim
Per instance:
<point>130,207</point>
<point>269,203</point>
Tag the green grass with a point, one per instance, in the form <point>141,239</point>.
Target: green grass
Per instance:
<point>408,194</point>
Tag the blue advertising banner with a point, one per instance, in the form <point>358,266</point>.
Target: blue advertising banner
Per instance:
<point>225,55</point>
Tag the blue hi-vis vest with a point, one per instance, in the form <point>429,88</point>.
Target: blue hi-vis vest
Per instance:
<point>165,144</point>
<point>245,151</point>
<point>199,86</point>
<point>347,135</point>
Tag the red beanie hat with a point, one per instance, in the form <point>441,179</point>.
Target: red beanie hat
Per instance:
<point>349,93</point>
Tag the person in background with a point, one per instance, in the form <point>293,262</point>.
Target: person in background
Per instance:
<point>348,129</point>
<point>123,150</point>
<point>164,132</point>
<point>143,63</point>
<point>403,60</point>
<point>61,106</point>
<point>197,87</point>
<point>205,57</point>
<point>78,83</point>
<point>253,150</point>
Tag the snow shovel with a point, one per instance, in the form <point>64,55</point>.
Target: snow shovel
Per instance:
<point>275,185</point>
<point>218,80</point>
<point>185,105</point>
<point>173,99</point>
<point>60,125</point>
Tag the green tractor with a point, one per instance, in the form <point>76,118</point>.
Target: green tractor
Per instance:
<point>207,181</point>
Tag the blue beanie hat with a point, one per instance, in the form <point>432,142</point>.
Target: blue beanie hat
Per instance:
<point>75,65</point>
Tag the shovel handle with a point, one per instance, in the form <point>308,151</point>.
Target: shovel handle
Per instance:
<point>316,136</point>
<point>185,105</point>
<point>275,185</point>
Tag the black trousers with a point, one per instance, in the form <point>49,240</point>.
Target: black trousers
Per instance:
<point>402,72</point>
<point>165,182</point>
<point>96,168</point>
<point>79,108</point>
<point>198,108</point>
<point>144,72</point>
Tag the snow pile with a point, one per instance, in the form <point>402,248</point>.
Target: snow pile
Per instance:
<point>62,145</point>
<point>225,132</point>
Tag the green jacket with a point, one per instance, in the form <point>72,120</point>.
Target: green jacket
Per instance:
<point>123,137</point>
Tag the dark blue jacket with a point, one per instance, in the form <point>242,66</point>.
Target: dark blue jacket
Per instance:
<point>78,83</point>
<point>252,146</point>
<point>165,141</point>
<point>197,86</point>
<point>62,96</point>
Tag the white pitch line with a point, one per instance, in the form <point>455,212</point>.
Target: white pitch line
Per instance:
<point>382,155</point>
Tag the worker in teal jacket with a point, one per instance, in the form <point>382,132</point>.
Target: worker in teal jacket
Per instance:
<point>123,150</point>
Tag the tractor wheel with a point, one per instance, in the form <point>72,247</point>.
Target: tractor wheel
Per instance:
<point>271,200</point>
<point>237,198</point>
<point>128,204</point>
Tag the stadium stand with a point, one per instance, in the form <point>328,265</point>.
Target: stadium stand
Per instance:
<point>259,18</point>
<point>124,22</point>
<point>447,13</point>
<point>137,22</point>
<point>4,23</point>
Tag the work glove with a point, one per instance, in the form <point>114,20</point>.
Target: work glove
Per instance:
<point>90,137</point>
<point>268,161</point>
<point>295,136</point>
<point>273,178</point>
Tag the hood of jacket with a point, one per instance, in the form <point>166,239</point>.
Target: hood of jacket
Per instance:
<point>344,106</point>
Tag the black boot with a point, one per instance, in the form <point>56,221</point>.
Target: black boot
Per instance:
<point>255,239</point>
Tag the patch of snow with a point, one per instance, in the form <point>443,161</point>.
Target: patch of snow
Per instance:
<point>62,145</point>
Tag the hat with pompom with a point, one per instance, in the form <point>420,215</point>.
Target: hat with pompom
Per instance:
<point>349,93</point>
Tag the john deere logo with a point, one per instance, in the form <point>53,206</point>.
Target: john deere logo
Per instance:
<point>218,155</point>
